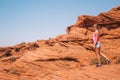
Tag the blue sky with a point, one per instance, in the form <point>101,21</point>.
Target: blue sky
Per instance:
<point>31,20</point>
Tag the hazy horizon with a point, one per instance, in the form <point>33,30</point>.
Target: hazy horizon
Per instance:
<point>31,20</point>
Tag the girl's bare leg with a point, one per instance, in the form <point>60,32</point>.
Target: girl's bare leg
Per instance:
<point>97,50</point>
<point>108,60</point>
<point>103,55</point>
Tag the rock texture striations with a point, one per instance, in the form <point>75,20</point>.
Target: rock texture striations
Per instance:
<point>68,56</point>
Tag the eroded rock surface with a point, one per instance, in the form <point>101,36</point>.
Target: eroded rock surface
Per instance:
<point>67,56</point>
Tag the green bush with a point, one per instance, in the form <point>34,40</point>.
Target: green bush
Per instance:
<point>95,61</point>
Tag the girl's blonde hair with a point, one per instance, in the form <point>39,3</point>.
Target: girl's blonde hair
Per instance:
<point>97,26</point>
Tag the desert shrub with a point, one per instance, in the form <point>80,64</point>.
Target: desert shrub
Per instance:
<point>12,59</point>
<point>95,61</point>
<point>103,60</point>
<point>13,71</point>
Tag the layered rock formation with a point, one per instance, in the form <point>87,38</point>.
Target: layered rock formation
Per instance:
<point>67,56</point>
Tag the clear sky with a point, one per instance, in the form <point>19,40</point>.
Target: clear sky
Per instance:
<point>31,20</point>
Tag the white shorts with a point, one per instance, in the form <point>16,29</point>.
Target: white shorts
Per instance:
<point>97,45</point>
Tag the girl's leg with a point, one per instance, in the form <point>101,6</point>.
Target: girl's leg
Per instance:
<point>108,60</point>
<point>97,50</point>
<point>103,55</point>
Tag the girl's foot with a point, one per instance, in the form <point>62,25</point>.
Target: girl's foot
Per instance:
<point>108,62</point>
<point>98,65</point>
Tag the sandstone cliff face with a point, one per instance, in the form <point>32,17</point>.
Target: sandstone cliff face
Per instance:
<point>107,20</point>
<point>67,56</point>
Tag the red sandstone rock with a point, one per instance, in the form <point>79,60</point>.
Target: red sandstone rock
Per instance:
<point>68,56</point>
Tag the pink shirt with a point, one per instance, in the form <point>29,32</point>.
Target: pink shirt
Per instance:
<point>95,37</point>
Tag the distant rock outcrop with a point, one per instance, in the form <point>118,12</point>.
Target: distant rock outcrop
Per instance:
<point>84,26</point>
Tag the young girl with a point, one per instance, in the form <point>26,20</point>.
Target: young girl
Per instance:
<point>96,40</point>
